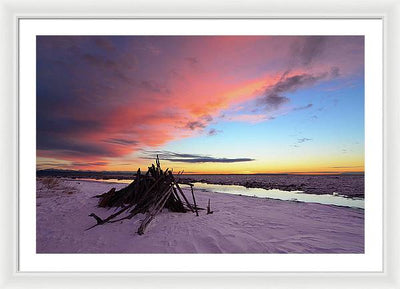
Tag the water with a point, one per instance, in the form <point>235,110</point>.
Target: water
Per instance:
<point>294,196</point>
<point>298,196</point>
<point>349,185</point>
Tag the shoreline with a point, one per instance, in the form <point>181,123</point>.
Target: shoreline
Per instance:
<point>304,183</point>
<point>262,193</point>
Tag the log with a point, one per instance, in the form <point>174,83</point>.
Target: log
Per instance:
<point>183,195</point>
<point>98,219</point>
<point>106,198</point>
<point>155,211</point>
<point>209,208</point>
<point>163,195</point>
<point>194,200</point>
<point>108,218</point>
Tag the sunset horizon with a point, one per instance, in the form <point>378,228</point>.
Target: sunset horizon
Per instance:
<point>338,172</point>
<point>203,104</point>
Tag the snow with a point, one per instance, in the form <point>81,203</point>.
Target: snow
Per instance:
<point>239,224</point>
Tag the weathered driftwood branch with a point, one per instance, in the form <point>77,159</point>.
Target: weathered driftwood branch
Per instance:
<point>209,208</point>
<point>154,212</point>
<point>183,195</point>
<point>194,200</point>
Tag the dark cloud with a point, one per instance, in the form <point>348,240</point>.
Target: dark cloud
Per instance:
<point>154,87</point>
<point>68,137</point>
<point>292,83</point>
<point>123,142</point>
<point>81,83</point>
<point>273,100</point>
<point>195,125</point>
<point>335,72</point>
<point>98,61</point>
<point>305,51</point>
<point>73,147</point>
<point>192,60</point>
<point>274,96</point>
<point>211,160</point>
<point>65,125</point>
<point>303,107</point>
<point>207,117</point>
<point>201,123</point>
<point>309,48</point>
<point>86,164</point>
<point>190,158</point>
<point>122,77</point>
<point>213,132</point>
<point>70,165</point>
<point>111,68</point>
<point>152,154</point>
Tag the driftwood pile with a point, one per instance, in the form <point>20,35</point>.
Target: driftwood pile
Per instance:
<point>147,194</point>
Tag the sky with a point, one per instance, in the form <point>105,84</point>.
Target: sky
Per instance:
<point>204,104</point>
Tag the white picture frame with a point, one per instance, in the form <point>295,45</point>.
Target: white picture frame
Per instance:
<point>14,10</point>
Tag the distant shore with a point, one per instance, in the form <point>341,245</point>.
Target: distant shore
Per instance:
<point>350,185</point>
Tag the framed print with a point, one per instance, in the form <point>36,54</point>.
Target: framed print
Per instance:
<point>109,105</point>
<point>241,148</point>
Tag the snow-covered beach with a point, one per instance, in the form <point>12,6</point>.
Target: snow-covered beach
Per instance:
<point>239,224</point>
